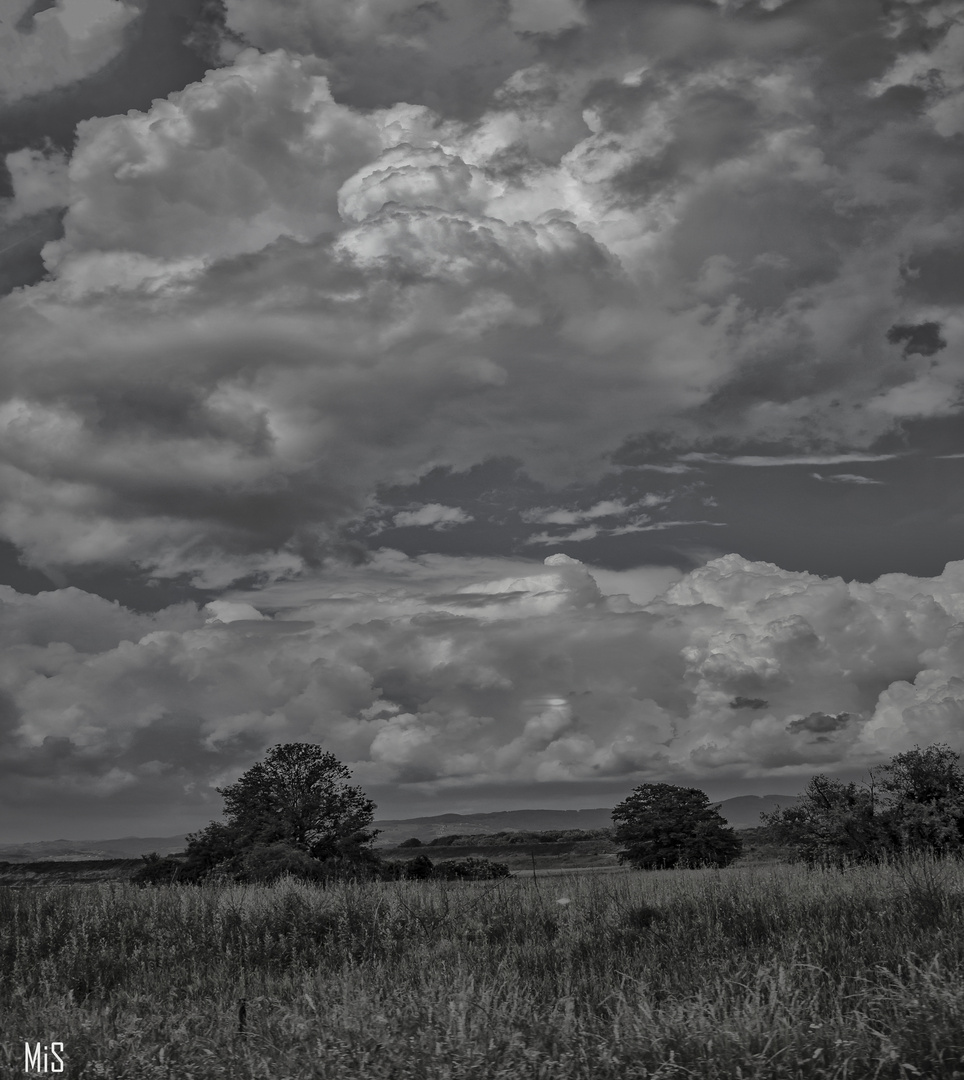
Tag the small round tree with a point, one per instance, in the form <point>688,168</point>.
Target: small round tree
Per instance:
<point>663,825</point>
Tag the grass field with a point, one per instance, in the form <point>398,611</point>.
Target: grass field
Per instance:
<point>752,972</point>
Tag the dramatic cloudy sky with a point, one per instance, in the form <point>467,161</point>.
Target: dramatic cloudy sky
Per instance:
<point>526,399</point>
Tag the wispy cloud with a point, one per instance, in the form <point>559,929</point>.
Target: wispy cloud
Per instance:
<point>845,478</point>
<point>676,469</point>
<point>592,531</point>
<point>432,516</point>
<point>542,515</point>
<point>589,532</point>
<point>762,461</point>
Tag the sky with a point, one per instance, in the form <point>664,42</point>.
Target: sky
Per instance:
<point>523,399</point>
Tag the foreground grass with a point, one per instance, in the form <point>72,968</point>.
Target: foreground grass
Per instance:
<point>741,973</point>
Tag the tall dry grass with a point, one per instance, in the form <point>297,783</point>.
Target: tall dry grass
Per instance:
<point>741,973</point>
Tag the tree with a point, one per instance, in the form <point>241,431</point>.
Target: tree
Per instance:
<point>832,822</point>
<point>663,825</point>
<point>913,803</point>
<point>294,812</point>
<point>298,795</point>
<point>923,799</point>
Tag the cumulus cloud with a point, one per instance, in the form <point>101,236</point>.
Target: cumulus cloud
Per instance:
<point>39,181</point>
<point>227,165</point>
<point>390,237</point>
<point>436,672</point>
<point>65,42</point>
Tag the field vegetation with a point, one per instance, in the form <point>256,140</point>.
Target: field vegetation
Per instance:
<point>762,972</point>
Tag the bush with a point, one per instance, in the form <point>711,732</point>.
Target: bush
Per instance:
<point>157,870</point>
<point>470,869</point>
<point>266,863</point>
<point>419,869</point>
<point>216,845</point>
<point>411,842</point>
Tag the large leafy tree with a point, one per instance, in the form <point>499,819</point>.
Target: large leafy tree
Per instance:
<point>291,810</point>
<point>663,825</point>
<point>298,795</point>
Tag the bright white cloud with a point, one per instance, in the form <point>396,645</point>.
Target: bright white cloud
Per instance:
<point>228,611</point>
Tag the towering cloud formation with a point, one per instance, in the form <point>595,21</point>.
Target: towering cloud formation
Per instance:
<point>390,236</point>
<point>436,672</point>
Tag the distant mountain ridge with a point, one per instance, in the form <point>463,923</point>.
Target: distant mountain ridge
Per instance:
<point>127,847</point>
<point>742,812</point>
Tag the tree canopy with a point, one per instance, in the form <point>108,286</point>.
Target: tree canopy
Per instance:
<point>663,825</point>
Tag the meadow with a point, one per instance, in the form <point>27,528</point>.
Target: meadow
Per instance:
<point>748,972</point>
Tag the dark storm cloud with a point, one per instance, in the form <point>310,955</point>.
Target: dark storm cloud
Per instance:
<point>818,723</point>
<point>922,339</point>
<point>748,703</point>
